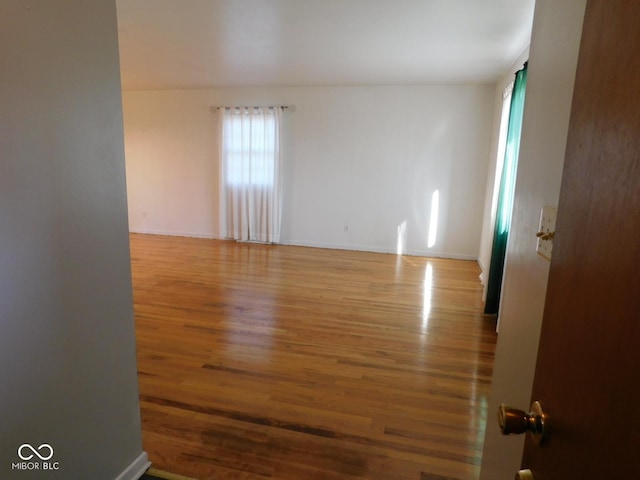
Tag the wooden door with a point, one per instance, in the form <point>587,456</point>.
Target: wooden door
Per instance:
<point>588,370</point>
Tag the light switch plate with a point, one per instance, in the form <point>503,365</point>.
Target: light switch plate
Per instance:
<point>547,226</point>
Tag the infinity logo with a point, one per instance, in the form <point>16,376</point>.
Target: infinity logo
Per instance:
<point>48,451</point>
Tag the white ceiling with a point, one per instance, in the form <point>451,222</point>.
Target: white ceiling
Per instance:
<point>219,43</point>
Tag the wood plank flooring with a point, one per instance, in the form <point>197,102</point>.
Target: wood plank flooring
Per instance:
<point>278,362</point>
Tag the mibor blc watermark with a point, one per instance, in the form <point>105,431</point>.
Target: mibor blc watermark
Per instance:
<point>32,458</point>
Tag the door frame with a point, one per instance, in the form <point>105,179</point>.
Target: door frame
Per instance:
<point>555,41</point>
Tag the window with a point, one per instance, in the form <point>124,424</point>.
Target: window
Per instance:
<point>250,200</point>
<point>249,147</point>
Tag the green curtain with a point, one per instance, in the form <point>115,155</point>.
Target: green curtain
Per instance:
<point>506,193</point>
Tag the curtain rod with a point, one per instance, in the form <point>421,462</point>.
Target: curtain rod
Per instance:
<point>291,108</point>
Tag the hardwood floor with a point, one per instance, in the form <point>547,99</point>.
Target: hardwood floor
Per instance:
<point>278,362</point>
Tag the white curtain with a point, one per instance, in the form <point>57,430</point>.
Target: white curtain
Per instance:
<point>251,198</point>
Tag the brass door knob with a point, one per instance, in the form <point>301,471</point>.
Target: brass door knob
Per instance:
<point>514,421</point>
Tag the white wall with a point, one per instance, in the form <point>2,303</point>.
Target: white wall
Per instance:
<point>366,157</point>
<point>552,63</point>
<point>67,347</point>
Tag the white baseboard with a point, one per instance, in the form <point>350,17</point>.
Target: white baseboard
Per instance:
<point>335,246</point>
<point>173,233</point>
<point>367,248</point>
<point>136,469</point>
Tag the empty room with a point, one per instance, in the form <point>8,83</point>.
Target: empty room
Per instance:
<point>346,338</point>
<point>338,331</point>
<point>283,239</point>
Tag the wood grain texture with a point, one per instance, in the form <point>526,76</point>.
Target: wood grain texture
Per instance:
<point>279,362</point>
